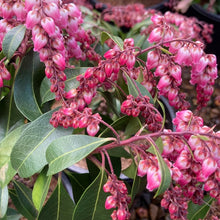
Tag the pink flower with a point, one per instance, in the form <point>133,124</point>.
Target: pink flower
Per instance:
<point>176,72</point>
<point>153,178</point>
<point>209,166</point>
<point>161,70</point>
<point>40,41</point>
<point>33,18</point>
<point>156,35</point>
<point>196,53</point>
<point>164,81</point>
<point>19,10</point>
<point>108,69</point>
<point>71,94</point>
<point>48,25</point>
<point>183,160</point>
<point>130,61</point>
<point>52,10</point>
<point>110,202</point>
<point>63,21</point>
<point>183,56</point>
<point>142,168</point>
<point>152,59</point>
<point>157,19</point>
<point>7,10</point>
<point>29,4</point>
<point>59,60</point>
<point>73,11</point>
<point>92,129</point>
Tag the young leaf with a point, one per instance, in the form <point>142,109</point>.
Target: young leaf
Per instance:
<point>69,150</point>
<point>70,83</point>
<point>23,201</point>
<point>29,153</point>
<point>24,95</point>
<point>3,201</point>
<point>196,211</point>
<point>105,36</point>
<point>12,40</point>
<point>40,189</point>
<point>59,206</point>
<point>135,88</point>
<point>92,203</point>
<point>6,145</point>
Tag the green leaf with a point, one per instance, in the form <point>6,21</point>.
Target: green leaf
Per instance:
<point>12,214</point>
<point>92,203</point>
<point>29,153</point>
<point>59,206</point>
<point>40,189</point>
<point>22,200</point>
<point>79,183</point>
<point>196,211</point>
<point>159,144</point>
<point>69,150</point>
<point>165,172</point>
<point>133,126</point>
<point>135,88</point>
<point>3,201</point>
<point>9,114</point>
<point>12,40</point>
<point>6,145</point>
<point>24,95</point>
<point>70,83</point>
<point>105,36</point>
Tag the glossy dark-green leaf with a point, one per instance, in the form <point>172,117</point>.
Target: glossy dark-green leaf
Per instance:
<point>12,214</point>
<point>59,206</point>
<point>105,36</point>
<point>3,201</point>
<point>69,150</point>
<point>135,88</point>
<point>92,203</point>
<point>6,146</point>
<point>26,206</point>
<point>29,153</point>
<point>196,211</point>
<point>12,40</point>
<point>24,94</point>
<point>70,83</point>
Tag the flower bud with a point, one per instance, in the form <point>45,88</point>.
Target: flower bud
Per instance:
<point>52,10</point>
<point>33,18</point>
<point>48,25</point>
<point>40,41</point>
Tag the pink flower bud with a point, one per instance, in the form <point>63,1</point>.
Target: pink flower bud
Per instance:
<point>3,25</point>
<point>152,59</point>
<point>185,115</point>
<point>92,129</point>
<point>157,19</point>
<point>108,69</point>
<point>48,25</point>
<point>1,82</point>
<point>163,82</point>
<point>62,22</point>
<point>128,42</point>
<point>88,97</point>
<point>109,54</point>
<point>161,70</point>
<point>29,4</point>
<point>67,111</point>
<point>19,11</point>
<point>110,202</point>
<point>123,59</point>
<point>212,62</point>
<point>7,10</point>
<point>33,18</point>
<point>73,11</point>
<point>176,71</point>
<point>121,214</point>
<point>83,122</point>
<point>201,65</point>
<point>156,35</point>
<point>183,56</point>
<point>153,178</point>
<point>72,26</point>
<point>58,44</point>
<point>59,60</point>
<point>209,166</point>
<point>52,10</point>
<point>212,71</point>
<point>173,209</point>
<point>201,153</point>
<point>101,76</point>
<point>182,161</point>
<point>71,94</point>
<point>172,94</point>
<point>143,166</point>
<point>196,53</point>
<point>36,30</point>
<point>40,41</point>
<point>5,74</point>
<point>210,184</point>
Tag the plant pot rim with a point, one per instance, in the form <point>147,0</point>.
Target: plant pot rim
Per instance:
<point>206,13</point>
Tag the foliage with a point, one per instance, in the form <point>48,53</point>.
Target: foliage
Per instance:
<point>100,101</point>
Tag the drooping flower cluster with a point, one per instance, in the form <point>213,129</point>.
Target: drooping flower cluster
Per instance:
<point>169,69</point>
<point>125,16</point>
<point>118,199</point>
<point>193,161</point>
<point>142,106</point>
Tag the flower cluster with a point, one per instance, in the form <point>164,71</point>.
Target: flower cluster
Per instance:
<point>193,161</point>
<point>118,199</point>
<point>141,105</point>
<point>203,66</point>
